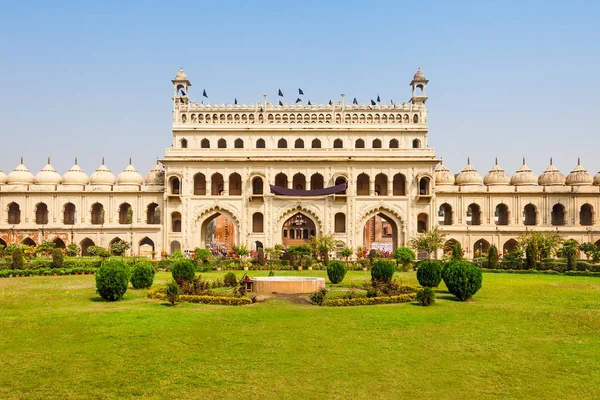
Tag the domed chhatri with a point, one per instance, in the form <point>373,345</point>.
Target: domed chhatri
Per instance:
<point>75,176</point>
<point>524,176</point>
<point>181,76</point>
<point>3,178</point>
<point>20,176</point>
<point>419,76</point>
<point>156,176</point>
<point>596,179</point>
<point>468,176</point>
<point>130,176</point>
<point>48,176</point>
<point>551,176</point>
<point>579,176</point>
<point>103,176</point>
<point>496,177</point>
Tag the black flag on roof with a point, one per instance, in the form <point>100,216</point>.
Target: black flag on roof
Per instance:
<point>280,93</point>
<point>235,102</point>
<point>373,102</point>
<point>378,99</point>
<point>300,92</point>
<point>298,100</point>
<point>355,101</point>
<point>204,94</point>
<point>309,103</point>
<point>280,103</point>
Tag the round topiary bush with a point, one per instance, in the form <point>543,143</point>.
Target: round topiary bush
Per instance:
<point>183,269</point>
<point>383,270</point>
<point>230,279</point>
<point>463,279</point>
<point>142,275</point>
<point>336,271</point>
<point>426,296</point>
<point>404,257</point>
<point>112,279</point>
<point>429,273</point>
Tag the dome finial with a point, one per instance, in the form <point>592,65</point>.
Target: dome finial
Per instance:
<point>523,160</point>
<point>496,160</point>
<point>75,160</point>
<point>550,160</point>
<point>578,160</point>
<point>102,160</point>
<point>468,160</point>
<point>21,159</point>
<point>48,160</point>
<point>129,160</point>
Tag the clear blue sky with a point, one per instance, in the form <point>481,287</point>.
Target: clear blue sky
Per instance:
<point>507,78</point>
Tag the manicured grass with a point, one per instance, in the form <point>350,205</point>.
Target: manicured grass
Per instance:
<point>523,336</point>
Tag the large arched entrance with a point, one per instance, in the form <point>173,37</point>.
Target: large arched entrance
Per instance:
<point>380,232</point>
<point>298,229</point>
<point>218,233</point>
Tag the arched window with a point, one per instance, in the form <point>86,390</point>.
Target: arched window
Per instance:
<point>473,214</point>
<point>260,144</point>
<point>257,186</point>
<point>199,184</point>
<point>416,144</point>
<point>175,245</point>
<point>174,185</point>
<point>217,184</point>
<point>176,222</point>
<point>153,214</point>
<point>281,180</point>
<point>41,214</point>
<point>530,215</point>
<point>362,185</point>
<point>416,119</point>
<point>184,143</point>
<point>299,182</point>
<point>381,183</point>
<point>282,144</point>
<point>205,144</point>
<point>316,181</point>
<point>424,186</point>
<point>316,144</point>
<point>235,184</point>
<point>125,214</point>
<point>394,144</point>
<point>59,243</point>
<point>501,214</point>
<point>558,215</point>
<point>377,144</point>
<point>338,144</point>
<point>14,214</point>
<point>509,247</point>
<point>359,144</point>
<point>97,214</point>
<point>257,222</point>
<point>586,215</point>
<point>299,144</point>
<point>445,214</point>
<point>84,245</point>
<point>340,180</point>
<point>340,223</point>
<point>69,214</point>
<point>238,144</point>
<point>399,185</point>
<point>222,144</point>
<point>481,248</point>
<point>422,222</point>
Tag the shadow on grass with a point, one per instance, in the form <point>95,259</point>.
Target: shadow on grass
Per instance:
<point>447,297</point>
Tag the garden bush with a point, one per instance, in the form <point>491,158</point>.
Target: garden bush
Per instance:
<point>336,271</point>
<point>142,275</point>
<point>57,258</point>
<point>230,279</point>
<point>318,297</point>
<point>429,273</point>
<point>492,258</point>
<point>17,258</point>
<point>383,270</point>
<point>367,301</point>
<point>202,256</point>
<point>172,292</point>
<point>112,279</point>
<point>463,279</point>
<point>426,296</point>
<point>404,257</point>
<point>183,270</point>
<point>165,263</point>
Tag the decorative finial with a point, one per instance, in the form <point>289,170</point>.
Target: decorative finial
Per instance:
<point>578,160</point>
<point>75,160</point>
<point>129,160</point>
<point>21,159</point>
<point>550,160</point>
<point>102,160</point>
<point>156,160</point>
<point>496,160</point>
<point>523,160</point>
<point>48,160</point>
<point>468,160</point>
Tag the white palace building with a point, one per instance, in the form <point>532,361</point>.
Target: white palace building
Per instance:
<point>264,174</point>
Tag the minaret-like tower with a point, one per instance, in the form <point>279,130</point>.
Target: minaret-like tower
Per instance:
<point>180,88</point>
<point>419,86</point>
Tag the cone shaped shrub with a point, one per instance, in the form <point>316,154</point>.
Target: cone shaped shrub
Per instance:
<point>429,273</point>
<point>112,279</point>
<point>426,296</point>
<point>336,271</point>
<point>142,275</point>
<point>463,279</point>
<point>383,270</point>
<point>183,269</point>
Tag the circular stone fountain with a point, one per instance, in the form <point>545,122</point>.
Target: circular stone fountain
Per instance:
<point>287,284</point>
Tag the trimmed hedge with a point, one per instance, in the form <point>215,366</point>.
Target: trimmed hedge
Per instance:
<point>183,269</point>
<point>142,275</point>
<point>540,272</point>
<point>336,271</point>
<point>5,273</point>
<point>383,270</point>
<point>462,279</point>
<point>112,280</point>
<point>367,301</point>
<point>429,273</point>
<point>160,294</point>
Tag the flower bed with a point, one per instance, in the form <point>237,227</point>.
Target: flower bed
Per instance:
<point>160,294</point>
<point>367,301</point>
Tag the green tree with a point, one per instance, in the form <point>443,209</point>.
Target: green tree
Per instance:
<point>546,243</point>
<point>202,256</point>
<point>241,250</point>
<point>119,248</point>
<point>457,253</point>
<point>430,241</point>
<point>57,258</point>
<point>405,257</point>
<point>569,250</point>
<point>45,248</point>
<point>17,258</point>
<point>322,245</point>
<point>588,249</point>
<point>492,257</point>
<point>346,253</point>
<point>72,250</point>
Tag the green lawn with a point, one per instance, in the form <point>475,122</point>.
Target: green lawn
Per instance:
<point>523,336</point>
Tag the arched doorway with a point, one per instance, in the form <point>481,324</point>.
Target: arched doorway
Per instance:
<point>380,232</point>
<point>85,244</point>
<point>509,247</point>
<point>59,243</point>
<point>146,247</point>
<point>218,233</point>
<point>298,229</point>
<point>481,248</point>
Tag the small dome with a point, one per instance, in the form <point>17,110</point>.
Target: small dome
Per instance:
<point>419,76</point>
<point>103,176</point>
<point>468,176</point>
<point>443,176</point>
<point>20,176</point>
<point>181,76</point>
<point>75,176</point>
<point>496,177</point>
<point>48,176</point>
<point>579,176</point>
<point>3,178</point>
<point>596,179</point>
<point>130,177</point>
<point>551,176</point>
<point>156,176</point>
<point>524,177</point>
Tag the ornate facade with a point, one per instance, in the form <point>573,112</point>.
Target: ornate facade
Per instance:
<point>264,174</point>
